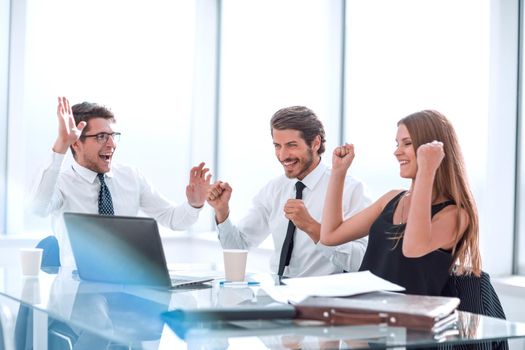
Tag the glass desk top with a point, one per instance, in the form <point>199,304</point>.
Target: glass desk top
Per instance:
<point>131,315</point>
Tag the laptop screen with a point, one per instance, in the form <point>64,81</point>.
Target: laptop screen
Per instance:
<point>117,249</point>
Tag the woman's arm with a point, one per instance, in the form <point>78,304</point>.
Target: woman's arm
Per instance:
<point>424,234</point>
<point>334,230</point>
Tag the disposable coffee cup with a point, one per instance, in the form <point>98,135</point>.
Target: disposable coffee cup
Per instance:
<point>30,260</point>
<point>235,264</point>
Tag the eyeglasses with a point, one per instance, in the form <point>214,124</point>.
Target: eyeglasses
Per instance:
<point>103,137</point>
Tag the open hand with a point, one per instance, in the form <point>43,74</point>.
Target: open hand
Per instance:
<point>197,189</point>
<point>68,131</point>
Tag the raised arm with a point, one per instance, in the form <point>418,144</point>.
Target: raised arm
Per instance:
<point>424,234</point>
<point>251,230</point>
<point>334,230</point>
<point>45,197</point>
<point>219,195</point>
<point>68,131</point>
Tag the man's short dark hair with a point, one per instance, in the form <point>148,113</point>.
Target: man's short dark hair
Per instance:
<point>86,111</point>
<point>303,120</point>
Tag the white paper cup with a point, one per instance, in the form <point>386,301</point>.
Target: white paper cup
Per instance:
<point>30,260</point>
<point>235,264</point>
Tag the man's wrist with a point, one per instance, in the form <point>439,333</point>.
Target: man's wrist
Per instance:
<point>312,229</point>
<point>221,215</point>
<point>196,206</point>
<point>60,147</point>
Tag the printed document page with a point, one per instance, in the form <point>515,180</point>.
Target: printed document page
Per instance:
<point>338,285</point>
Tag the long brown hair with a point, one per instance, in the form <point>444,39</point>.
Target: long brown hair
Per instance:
<point>450,182</point>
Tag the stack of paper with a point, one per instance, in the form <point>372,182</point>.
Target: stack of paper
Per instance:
<point>338,285</point>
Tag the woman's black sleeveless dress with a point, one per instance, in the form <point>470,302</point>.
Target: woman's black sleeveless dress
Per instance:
<point>426,275</point>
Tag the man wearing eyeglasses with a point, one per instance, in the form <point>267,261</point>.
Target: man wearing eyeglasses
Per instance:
<point>92,184</point>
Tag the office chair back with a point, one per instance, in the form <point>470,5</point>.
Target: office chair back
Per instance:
<point>51,253</point>
<point>477,296</point>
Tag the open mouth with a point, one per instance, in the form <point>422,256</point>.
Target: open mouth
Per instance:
<point>105,157</point>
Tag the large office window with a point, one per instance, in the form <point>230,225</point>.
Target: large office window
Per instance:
<point>275,54</point>
<point>134,57</point>
<point>407,55</point>
<point>361,65</point>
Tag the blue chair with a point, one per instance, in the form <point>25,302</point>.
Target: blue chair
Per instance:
<point>51,253</point>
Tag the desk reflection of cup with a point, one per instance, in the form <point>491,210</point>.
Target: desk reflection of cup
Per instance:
<point>30,260</point>
<point>235,264</point>
<point>31,290</point>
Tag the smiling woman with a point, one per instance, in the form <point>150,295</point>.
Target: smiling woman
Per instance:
<point>438,233</point>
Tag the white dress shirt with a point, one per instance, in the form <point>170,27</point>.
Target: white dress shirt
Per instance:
<point>266,216</point>
<point>73,188</point>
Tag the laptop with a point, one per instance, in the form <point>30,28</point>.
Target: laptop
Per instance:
<point>121,249</point>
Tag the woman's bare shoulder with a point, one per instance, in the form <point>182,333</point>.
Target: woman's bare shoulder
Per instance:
<point>387,197</point>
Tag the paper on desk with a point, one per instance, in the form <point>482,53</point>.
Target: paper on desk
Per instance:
<point>338,285</point>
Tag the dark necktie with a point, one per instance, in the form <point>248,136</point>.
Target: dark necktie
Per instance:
<point>105,204</point>
<point>286,252</point>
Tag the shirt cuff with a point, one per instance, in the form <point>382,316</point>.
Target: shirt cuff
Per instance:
<point>225,225</point>
<point>192,210</point>
<point>56,160</point>
<point>229,236</point>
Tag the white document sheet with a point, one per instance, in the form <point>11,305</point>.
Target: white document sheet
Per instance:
<point>338,285</point>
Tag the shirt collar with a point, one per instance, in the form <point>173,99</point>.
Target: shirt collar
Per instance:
<point>87,174</point>
<point>315,175</point>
